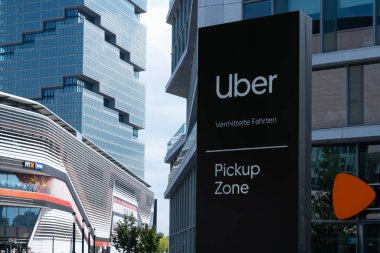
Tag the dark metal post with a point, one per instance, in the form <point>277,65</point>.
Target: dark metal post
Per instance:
<point>73,232</point>
<point>94,240</point>
<point>89,238</point>
<point>83,224</point>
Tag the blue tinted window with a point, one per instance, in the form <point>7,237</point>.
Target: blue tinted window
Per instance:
<point>13,181</point>
<point>33,215</point>
<point>3,179</point>
<point>354,14</point>
<point>12,213</point>
<point>3,216</point>
<point>257,9</point>
<point>23,216</point>
<point>309,7</point>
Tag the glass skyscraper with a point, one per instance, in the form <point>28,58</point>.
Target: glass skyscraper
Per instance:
<point>81,59</point>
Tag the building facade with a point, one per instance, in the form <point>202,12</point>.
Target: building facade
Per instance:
<point>81,59</point>
<point>48,171</point>
<point>345,111</point>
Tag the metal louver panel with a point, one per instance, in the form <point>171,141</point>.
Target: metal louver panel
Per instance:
<point>35,136</point>
<point>54,232</point>
<point>56,223</point>
<point>124,192</point>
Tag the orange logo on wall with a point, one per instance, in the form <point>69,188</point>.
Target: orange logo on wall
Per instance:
<point>351,195</point>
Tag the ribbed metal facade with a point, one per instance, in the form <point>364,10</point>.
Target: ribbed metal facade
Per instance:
<point>29,132</point>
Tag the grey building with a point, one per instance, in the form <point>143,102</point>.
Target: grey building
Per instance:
<point>345,111</point>
<point>48,172</point>
<point>81,59</point>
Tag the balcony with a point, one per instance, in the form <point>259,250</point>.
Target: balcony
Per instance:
<point>177,136</point>
<point>176,143</point>
<point>181,160</point>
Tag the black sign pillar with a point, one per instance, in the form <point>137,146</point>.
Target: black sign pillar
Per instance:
<point>254,136</point>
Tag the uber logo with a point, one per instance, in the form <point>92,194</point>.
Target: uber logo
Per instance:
<point>260,85</point>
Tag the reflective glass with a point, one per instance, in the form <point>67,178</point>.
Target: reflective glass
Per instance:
<point>17,221</point>
<point>12,215</point>
<point>23,216</point>
<point>33,215</point>
<point>3,179</point>
<point>329,36</point>
<point>327,162</point>
<point>369,159</point>
<point>23,182</point>
<point>347,24</point>
<point>310,7</point>
<point>13,182</point>
<point>354,24</point>
<point>354,14</point>
<point>257,9</point>
<point>3,216</point>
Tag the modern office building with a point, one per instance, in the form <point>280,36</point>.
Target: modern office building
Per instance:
<point>48,171</point>
<point>81,59</point>
<point>345,111</point>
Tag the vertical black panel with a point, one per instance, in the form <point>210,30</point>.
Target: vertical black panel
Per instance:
<point>329,25</point>
<point>253,135</point>
<point>355,95</point>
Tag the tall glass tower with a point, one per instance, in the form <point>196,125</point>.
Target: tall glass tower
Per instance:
<point>81,59</point>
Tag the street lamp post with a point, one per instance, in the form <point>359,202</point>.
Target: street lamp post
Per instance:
<point>89,238</point>
<point>73,232</point>
<point>83,224</point>
<point>94,240</point>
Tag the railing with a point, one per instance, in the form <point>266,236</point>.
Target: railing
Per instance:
<point>178,135</point>
<point>191,140</point>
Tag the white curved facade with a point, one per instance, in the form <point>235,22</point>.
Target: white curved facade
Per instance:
<point>46,165</point>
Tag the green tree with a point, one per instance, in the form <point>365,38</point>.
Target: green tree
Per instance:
<point>126,235</point>
<point>149,239</point>
<point>164,244</point>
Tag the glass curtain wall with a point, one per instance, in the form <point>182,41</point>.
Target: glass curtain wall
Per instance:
<point>329,234</point>
<point>337,24</point>
<point>256,9</point>
<point>346,24</point>
<point>16,226</point>
<point>369,164</point>
<point>358,234</point>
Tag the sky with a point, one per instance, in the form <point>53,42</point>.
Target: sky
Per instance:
<point>165,113</point>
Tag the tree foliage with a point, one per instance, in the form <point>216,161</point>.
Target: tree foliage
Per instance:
<point>149,239</point>
<point>164,244</point>
<point>128,237</point>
